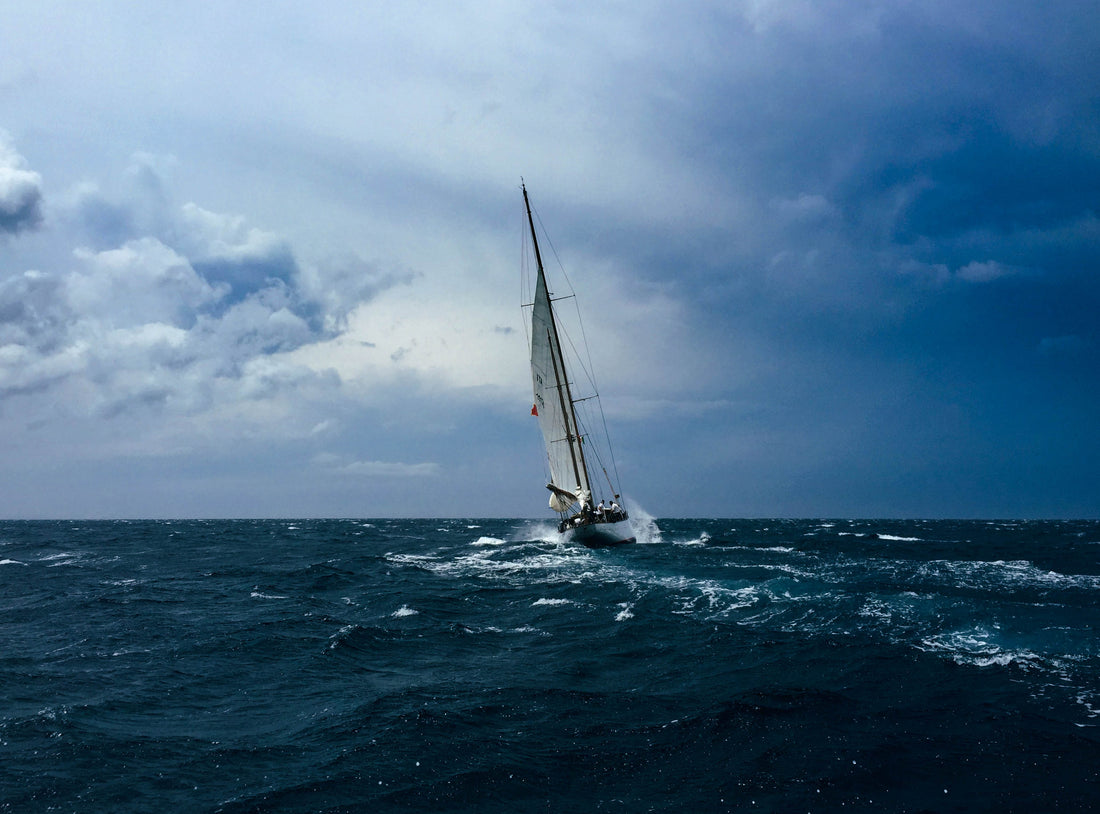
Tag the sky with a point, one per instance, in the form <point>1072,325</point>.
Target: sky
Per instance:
<point>835,259</point>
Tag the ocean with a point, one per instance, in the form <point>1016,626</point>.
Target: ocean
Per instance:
<point>480,665</point>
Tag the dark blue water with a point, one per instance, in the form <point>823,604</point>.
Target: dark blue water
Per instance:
<point>475,665</point>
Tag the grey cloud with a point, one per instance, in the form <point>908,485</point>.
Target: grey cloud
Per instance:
<point>263,323</point>
<point>137,204</point>
<point>887,160</point>
<point>20,191</point>
<point>154,397</point>
<point>24,371</point>
<point>332,288</point>
<point>859,104</point>
<point>225,249</point>
<point>102,223</point>
<point>33,312</point>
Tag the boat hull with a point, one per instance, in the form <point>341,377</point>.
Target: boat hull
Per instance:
<point>601,535</point>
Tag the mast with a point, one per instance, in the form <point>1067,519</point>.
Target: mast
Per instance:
<point>567,411</point>
<point>572,429</point>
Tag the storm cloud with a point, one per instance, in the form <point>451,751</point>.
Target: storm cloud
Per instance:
<point>834,258</point>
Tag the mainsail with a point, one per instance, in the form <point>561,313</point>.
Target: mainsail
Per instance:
<point>553,398</point>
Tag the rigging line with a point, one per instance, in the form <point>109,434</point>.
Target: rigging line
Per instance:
<point>597,451</point>
<point>566,413</point>
<point>595,444</point>
<point>611,451</point>
<point>599,402</point>
<point>590,369</point>
<point>604,444</point>
<point>610,485</point>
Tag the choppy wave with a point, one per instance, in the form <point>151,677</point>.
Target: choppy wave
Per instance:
<point>979,647</point>
<point>470,664</point>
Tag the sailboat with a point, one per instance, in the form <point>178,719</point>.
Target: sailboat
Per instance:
<point>572,491</point>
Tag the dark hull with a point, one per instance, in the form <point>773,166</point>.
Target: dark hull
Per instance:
<point>602,535</point>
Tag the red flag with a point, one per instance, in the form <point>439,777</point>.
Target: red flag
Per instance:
<point>534,409</point>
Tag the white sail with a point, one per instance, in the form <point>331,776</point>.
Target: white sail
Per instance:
<point>553,405</point>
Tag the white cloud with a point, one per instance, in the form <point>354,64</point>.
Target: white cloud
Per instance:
<point>143,281</point>
<point>227,249</point>
<point>147,326</point>
<point>23,370</point>
<point>984,271</point>
<point>382,469</point>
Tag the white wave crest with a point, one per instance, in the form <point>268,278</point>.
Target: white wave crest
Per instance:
<point>541,532</point>
<point>1013,574</point>
<point>1085,699</point>
<point>404,610</point>
<point>64,558</point>
<point>644,524</point>
<point>530,629</point>
<point>977,647</point>
<point>702,539</point>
